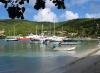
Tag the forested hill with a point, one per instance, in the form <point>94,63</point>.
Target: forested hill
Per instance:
<point>83,27</point>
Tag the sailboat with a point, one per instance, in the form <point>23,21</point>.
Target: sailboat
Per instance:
<point>35,37</point>
<point>55,38</point>
<point>41,38</point>
<point>12,38</point>
<point>30,36</point>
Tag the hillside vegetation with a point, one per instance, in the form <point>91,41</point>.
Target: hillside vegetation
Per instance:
<point>83,27</point>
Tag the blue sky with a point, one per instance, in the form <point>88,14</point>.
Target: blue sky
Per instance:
<point>74,9</point>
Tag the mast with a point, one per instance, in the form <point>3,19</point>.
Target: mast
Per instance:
<point>62,24</point>
<point>54,28</point>
<point>62,29</point>
<point>50,30</point>
<point>14,30</point>
<point>42,30</point>
<point>9,32</point>
<point>36,30</point>
<point>42,26</point>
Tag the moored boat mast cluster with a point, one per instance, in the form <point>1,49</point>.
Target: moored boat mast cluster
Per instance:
<point>35,37</point>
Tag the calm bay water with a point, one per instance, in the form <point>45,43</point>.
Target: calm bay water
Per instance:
<point>30,57</point>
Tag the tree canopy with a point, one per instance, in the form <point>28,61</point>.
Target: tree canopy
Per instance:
<point>16,9</point>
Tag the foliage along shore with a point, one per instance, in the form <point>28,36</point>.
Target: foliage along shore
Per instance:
<point>82,27</point>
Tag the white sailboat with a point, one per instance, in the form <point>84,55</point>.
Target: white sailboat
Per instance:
<point>12,38</point>
<point>35,37</point>
<point>55,38</point>
<point>41,38</point>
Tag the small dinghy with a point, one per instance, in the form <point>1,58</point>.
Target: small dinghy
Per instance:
<point>12,39</point>
<point>67,48</point>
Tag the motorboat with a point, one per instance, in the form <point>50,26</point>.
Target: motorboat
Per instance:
<point>11,38</point>
<point>67,48</point>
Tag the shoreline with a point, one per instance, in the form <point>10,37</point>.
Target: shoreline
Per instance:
<point>69,39</point>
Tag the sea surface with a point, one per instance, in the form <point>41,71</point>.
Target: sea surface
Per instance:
<point>34,57</point>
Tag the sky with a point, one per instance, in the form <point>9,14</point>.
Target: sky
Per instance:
<point>75,9</point>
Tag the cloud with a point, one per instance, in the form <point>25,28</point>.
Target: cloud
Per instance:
<point>69,15</point>
<point>95,15</point>
<point>45,15</point>
<point>49,4</point>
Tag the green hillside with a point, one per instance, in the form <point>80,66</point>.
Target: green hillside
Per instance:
<point>22,26</point>
<point>83,27</point>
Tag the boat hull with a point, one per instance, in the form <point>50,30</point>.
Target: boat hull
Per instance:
<point>11,39</point>
<point>24,39</point>
<point>65,48</point>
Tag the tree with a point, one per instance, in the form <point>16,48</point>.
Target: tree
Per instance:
<point>16,8</point>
